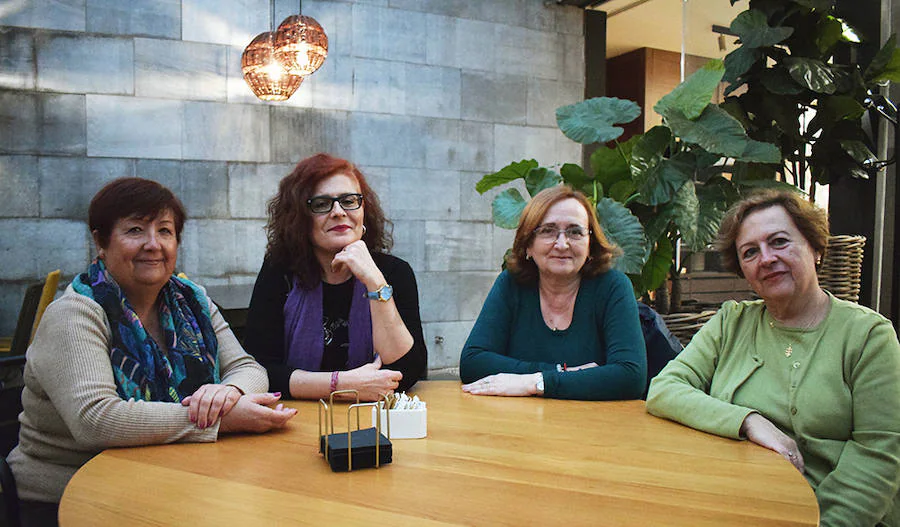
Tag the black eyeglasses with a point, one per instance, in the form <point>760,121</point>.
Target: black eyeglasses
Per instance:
<point>324,204</point>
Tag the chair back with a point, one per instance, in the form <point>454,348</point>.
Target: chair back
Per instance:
<point>47,295</point>
<point>22,336</point>
<point>841,268</point>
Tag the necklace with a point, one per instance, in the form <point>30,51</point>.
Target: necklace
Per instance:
<point>789,350</point>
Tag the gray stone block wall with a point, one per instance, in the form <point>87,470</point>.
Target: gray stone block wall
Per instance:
<point>426,96</point>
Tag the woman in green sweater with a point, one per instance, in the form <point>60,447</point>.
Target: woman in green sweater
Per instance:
<point>811,377</point>
<point>559,322</point>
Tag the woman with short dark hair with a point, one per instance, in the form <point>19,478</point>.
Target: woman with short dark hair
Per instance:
<point>331,310</point>
<point>800,372</point>
<point>130,354</point>
<point>559,322</point>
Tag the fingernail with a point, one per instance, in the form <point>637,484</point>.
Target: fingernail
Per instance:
<point>277,394</point>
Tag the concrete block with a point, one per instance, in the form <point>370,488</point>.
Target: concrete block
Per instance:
<point>572,59</point>
<point>438,296</point>
<point>432,91</point>
<point>11,295</point>
<point>62,125</point>
<point>474,288</point>
<point>20,130</point>
<point>331,87</point>
<point>474,206</point>
<point>67,15</point>
<point>16,58</point>
<point>85,64</point>
<point>202,186</point>
<point>32,248</point>
<point>153,18</point>
<point>569,20</point>
<point>387,140</point>
<point>251,186</point>
<point>409,244</point>
<point>135,127</point>
<point>424,195</point>
<point>494,98</point>
<point>69,183</point>
<point>476,42</point>
<point>459,145</point>
<point>502,240</point>
<point>457,246</point>
<point>522,51</point>
<point>217,248</point>
<point>545,96</point>
<point>230,22</point>
<point>180,70</point>
<point>389,34</point>
<point>379,180</point>
<point>298,133</point>
<point>514,143</point>
<point>445,341</point>
<point>336,18</point>
<point>379,86</point>
<point>441,44</point>
<point>19,187</point>
<point>539,15</point>
<point>226,132</point>
<point>448,8</point>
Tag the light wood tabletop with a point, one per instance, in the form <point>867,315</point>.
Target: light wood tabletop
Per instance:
<point>486,461</point>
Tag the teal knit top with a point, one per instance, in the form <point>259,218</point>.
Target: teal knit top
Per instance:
<point>510,336</point>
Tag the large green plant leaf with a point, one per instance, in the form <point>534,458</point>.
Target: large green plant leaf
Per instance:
<point>510,172</point>
<point>649,150</point>
<point>739,62</point>
<point>507,207</point>
<point>574,176</point>
<point>611,164</point>
<point>778,81</point>
<point>881,59</point>
<point>691,96</point>
<point>754,31</point>
<point>698,216</point>
<point>537,179</point>
<point>659,178</point>
<point>718,132</point>
<point>656,270</point>
<point>658,224</point>
<point>858,151</point>
<point>891,72</point>
<point>624,230</point>
<point>829,33</point>
<point>621,191</point>
<point>686,210</point>
<point>813,74</point>
<point>595,120</point>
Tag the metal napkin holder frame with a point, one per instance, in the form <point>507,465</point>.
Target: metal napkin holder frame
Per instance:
<point>327,440</point>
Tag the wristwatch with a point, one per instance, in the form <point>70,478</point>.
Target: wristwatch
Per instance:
<point>539,385</point>
<point>382,294</point>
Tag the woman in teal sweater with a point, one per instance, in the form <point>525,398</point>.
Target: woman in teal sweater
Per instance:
<point>800,372</point>
<point>559,322</point>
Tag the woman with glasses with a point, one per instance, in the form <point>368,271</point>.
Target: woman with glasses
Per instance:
<point>330,309</point>
<point>559,322</point>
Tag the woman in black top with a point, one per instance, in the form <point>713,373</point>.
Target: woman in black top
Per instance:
<point>330,309</point>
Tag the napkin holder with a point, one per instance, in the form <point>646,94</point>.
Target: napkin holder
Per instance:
<point>405,424</point>
<point>353,449</point>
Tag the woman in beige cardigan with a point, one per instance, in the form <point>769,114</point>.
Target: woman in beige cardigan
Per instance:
<point>130,355</point>
<point>800,372</point>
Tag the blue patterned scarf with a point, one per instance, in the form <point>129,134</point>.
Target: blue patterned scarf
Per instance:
<point>141,369</point>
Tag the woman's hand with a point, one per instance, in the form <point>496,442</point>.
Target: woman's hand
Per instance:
<point>370,380</point>
<point>508,384</point>
<point>251,414</point>
<point>762,432</point>
<point>358,260</point>
<point>210,402</point>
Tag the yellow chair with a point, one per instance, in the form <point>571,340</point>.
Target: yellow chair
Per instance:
<point>37,297</point>
<point>47,296</point>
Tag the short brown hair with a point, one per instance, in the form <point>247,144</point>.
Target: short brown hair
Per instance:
<point>290,220</point>
<point>132,197</point>
<point>601,254</point>
<point>811,221</point>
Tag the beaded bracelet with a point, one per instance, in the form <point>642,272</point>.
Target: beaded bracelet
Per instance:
<point>334,380</point>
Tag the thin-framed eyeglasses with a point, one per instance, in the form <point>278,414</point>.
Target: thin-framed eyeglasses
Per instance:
<point>549,233</point>
<point>324,204</point>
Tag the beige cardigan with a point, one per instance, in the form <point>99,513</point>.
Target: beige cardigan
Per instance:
<point>72,411</point>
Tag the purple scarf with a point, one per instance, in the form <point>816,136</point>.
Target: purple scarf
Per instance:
<point>305,337</point>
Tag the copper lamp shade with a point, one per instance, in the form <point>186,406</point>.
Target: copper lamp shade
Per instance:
<point>264,74</point>
<point>301,45</point>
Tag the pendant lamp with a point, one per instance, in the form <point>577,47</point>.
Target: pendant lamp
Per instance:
<point>263,73</point>
<point>301,45</point>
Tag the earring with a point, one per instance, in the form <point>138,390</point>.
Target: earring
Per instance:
<point>528,257</point>
<point>364,230</point>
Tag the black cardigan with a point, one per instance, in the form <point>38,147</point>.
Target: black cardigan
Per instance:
<point>264,333</point>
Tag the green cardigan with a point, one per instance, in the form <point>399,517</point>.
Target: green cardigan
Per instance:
<point>510,336</point>
<point>836,392</point>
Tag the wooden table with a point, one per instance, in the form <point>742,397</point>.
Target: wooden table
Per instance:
<point>486,461</point>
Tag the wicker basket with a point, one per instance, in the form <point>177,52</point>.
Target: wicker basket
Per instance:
<point>841,268</point>
<point>685,325</point>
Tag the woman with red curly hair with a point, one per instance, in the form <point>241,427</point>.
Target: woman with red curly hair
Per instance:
<point>331,310</point>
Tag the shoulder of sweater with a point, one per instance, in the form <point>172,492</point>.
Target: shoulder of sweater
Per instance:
<point>389,261</point>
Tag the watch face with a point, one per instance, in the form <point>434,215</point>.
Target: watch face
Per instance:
<point>386,293</point>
